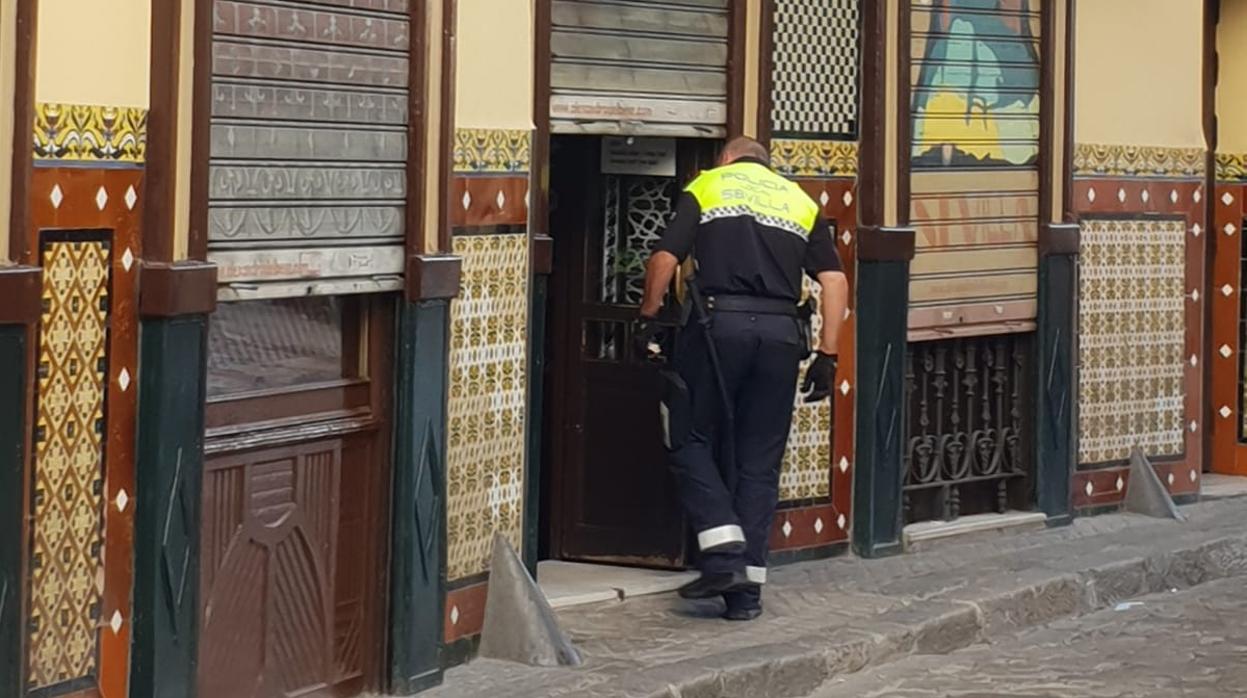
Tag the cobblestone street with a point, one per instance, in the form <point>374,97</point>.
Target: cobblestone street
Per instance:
<point>1031,615</point>
<point>1188,643</point>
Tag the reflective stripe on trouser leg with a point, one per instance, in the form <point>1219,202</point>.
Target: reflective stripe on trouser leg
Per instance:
<point>720,535</point>
<point>757,575</point>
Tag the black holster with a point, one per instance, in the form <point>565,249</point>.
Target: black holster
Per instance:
<point>805,324</point>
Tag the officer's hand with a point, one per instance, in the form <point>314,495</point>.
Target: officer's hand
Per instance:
<point>819,377</point>
<point>646,340</point>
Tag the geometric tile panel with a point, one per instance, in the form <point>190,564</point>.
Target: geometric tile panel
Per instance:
<point>1131,338</point>
<point>480,150</point>
<point>815,73</point>
<point>796,157</point>
<point>88,133</point>
<point>1094,159</point>
<point>488,400</point>
<point>66,561</point>
<point>806,470</point>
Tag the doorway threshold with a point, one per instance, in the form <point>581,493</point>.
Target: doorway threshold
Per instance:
<point>1218,486</point>
<point>922,535</point>
<point>567,584</point>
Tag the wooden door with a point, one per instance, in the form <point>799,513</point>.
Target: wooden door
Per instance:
<point>294,516</point>
<point>615,498</point>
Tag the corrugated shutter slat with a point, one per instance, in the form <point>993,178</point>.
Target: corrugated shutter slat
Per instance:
<point>643,68</point>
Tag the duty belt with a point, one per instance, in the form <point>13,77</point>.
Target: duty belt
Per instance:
<point>751,304</point>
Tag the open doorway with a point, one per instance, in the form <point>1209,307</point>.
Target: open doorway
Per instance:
<point>608,496</point>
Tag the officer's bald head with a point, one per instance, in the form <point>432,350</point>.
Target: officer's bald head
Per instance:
<point>743,147</point>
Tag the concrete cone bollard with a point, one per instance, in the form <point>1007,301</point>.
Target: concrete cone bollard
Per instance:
<point>520,626</point>
<point>1146,494</point>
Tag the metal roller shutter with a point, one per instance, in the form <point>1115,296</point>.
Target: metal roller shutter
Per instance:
<point>307,178</point>
<point>639,68</point>
<point>975,152</point>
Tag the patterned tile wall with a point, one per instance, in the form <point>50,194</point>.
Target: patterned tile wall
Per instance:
<point>66,133</point>
<point>501,151</point>
<point>805,473</point>
<point>1231,167</point>
<point>488,400</point>
<point>794,157</point>
<point>1131,338</point>
<point>66,562</point>
<point>1092,159</point>
<point>815,74</point>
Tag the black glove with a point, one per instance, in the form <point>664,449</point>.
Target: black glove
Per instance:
<point>647,340</point>
<point>818,378</point>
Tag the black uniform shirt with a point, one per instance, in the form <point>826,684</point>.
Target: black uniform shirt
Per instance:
<point>744,255</point>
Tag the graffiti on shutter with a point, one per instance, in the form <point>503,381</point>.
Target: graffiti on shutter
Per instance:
<point>975,152</point>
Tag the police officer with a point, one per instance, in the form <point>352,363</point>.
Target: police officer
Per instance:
<point>752,233</point>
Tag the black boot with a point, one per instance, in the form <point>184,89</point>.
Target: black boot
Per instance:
<point>744,603</point>
<point>708,586</point>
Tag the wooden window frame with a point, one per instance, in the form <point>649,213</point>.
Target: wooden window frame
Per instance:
<point>368,335</point>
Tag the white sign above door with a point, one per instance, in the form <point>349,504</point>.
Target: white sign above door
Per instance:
<point>636,155</point>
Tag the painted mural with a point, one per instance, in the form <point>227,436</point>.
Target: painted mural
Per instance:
<point>976,94</point>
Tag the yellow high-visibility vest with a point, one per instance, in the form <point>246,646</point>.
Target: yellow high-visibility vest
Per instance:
<point>753,190</point>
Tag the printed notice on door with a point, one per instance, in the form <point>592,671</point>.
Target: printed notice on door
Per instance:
<point>651,157</point>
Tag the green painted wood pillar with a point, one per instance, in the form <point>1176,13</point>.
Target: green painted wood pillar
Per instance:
<point>20,289</point>
<point>882,342</point>
<point>418,555</point>
<point>12,457</point>
<point>418,527</point>
<point>1055,457</point>
<point>174,303</point>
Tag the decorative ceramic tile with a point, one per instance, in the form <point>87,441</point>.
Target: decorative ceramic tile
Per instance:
<point>1117,160</point>
<point>1131,339</point>
<point>66,564</point>
<point>488,400</point>
<point>1231,167</point>
<point>806,472</point>
<point>95,134</point>
<point>813,158</point>
<point>816,67</point>
<point>492,150</point>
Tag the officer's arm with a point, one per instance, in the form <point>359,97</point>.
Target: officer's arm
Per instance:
<point>822,263</point>
<point>676,243</point>
<point>659,272</point>
<point>833,301</point>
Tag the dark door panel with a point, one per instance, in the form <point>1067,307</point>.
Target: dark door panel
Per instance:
<point>614,497</point>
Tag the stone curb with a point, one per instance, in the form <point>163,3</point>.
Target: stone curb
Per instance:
<point>800,665</point>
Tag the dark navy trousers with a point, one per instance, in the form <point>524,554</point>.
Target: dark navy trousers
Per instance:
<point>759,356</point>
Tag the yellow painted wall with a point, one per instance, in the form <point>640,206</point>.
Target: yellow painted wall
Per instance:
<point>1138,72</point>
<point>433,169</point>
<point>494,64</point>
<point>1232,82</point>
<point>185,129</point>
<point>93,52</point>
<point>8,56</point>
<point>753,68</point>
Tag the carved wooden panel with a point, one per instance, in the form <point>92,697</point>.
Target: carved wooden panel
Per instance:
<point>309,128</point>
<point>290,543</point>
